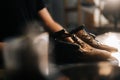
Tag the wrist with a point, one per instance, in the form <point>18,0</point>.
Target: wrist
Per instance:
<point>61,34</point>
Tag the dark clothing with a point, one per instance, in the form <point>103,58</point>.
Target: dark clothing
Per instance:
<point>15,14</point>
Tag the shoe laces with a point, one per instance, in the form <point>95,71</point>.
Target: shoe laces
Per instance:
<point>88,37</point>
<point>94,36</point>
<point>75,38</point>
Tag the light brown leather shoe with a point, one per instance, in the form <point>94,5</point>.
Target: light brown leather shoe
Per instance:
<point>90,51</point>
<point>90,39</point>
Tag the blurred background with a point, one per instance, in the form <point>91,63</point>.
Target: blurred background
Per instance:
<point>99,16</point>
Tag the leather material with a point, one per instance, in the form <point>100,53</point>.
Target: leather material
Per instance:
<point>90,39</point>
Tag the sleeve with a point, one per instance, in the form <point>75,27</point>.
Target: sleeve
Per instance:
<point>40,4</point>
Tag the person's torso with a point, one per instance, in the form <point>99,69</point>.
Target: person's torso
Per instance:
<point>15,14</point>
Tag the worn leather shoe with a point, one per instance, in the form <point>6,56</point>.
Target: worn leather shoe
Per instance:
<point>91,51</point>
<point>89,38</point>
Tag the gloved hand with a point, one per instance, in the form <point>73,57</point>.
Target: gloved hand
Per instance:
<point>61,35</point>
<point>65,52</point>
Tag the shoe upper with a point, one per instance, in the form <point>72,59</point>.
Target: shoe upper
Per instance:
<point>90,39</point>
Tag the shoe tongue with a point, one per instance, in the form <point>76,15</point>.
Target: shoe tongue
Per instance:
<point>78,29</point>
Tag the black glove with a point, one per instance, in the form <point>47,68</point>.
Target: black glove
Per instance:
<point>61,35</point>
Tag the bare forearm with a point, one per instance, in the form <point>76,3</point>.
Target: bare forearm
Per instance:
<point>50,23</point>
<point>54,26</point>
<point>48,20</point>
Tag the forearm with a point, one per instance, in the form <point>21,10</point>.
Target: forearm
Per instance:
<point>54,26</point>
<point>48,20</point>
<point>50,23</point>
